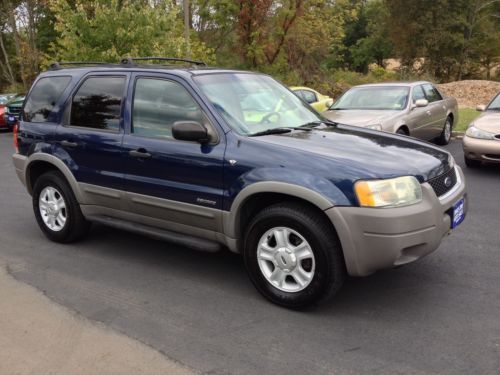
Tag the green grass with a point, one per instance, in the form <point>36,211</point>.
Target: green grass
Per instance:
<point>465,117</point>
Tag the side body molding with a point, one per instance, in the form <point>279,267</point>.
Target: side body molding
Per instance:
<point>232,218</point>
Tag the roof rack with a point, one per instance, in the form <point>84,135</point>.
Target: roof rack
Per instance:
<point>57,64</point>
<point>131,60</point>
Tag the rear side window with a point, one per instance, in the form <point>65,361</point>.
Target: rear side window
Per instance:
<point>43,98</point>
<point>431,93</point>
<point>97,103</point>
<point>309,96</point>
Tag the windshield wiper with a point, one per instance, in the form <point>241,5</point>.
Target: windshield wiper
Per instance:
<point>280,130</point>
<point>313,124</point>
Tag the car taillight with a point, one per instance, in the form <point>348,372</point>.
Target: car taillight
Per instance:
<point>15,131</point>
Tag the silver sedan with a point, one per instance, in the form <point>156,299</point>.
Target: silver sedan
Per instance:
<point>411,108</point>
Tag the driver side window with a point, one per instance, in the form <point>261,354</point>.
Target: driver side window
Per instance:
<point>417,94</point>
<point>158,104</point>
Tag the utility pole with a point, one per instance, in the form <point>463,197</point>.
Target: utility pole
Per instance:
<point>186,26</point>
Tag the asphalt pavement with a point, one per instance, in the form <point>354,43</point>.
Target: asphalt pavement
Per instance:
<point>438,315</point>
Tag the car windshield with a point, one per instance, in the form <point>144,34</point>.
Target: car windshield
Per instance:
<point>495,104</point>
<point>254,103</point>
<point>380,97</point>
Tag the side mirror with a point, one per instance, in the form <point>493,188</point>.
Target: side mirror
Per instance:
<point>481,108</point>
<point>190,131</point>
<point>421,103</point>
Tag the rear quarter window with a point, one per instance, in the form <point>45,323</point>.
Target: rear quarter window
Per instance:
<point>44,97</point>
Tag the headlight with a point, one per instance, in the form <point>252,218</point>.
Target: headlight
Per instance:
<point>395,192</point>
<point>374,127</point>
<point>451,161</point>
<point>474,132</point>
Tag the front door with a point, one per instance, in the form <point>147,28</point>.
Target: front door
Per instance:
<point>168,179</point>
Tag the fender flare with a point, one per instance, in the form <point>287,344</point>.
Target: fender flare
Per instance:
<point>59,165</point>
<point>231,219</point>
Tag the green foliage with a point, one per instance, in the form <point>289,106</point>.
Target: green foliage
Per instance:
<point>465,117</point>
<point>110,30</point>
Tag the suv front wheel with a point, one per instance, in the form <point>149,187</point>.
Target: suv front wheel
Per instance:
<point>293,255</point>
<point>56,209</point>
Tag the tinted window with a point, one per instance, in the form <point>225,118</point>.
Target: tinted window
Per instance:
<point>97,103</point>
<point>43,98</point>
<point>431,93</point>
<point>309,96</point>
<point>418,93</point>
<point>158,104</point>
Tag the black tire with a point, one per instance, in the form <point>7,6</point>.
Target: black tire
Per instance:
<point>471,163</point>
<point>75,226</point>
<point>445,136</point>
<point>401,131</point>
<point>329,273</point>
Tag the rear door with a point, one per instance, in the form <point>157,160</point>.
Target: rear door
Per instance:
<point>436,108</point>
<point>89,140</point>
<point>168,179</point>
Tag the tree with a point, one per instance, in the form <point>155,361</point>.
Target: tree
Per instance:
<point>109,30</point>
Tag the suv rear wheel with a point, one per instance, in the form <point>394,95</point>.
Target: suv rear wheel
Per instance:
<point>293,255</point>
<point>56,209</point>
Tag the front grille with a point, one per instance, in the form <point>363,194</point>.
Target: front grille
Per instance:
<point>439,183</point>
<point>14,110</point>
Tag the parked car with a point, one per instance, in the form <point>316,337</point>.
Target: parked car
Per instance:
<point>416,108</point>
<point>481,142</point>
<point>169,152</point>
<point>318,101</point>
<point>4,98</point>
<point>12,110</point>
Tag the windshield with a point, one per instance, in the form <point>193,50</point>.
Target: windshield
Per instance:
<point>386,97</point>
<point>253,103</point>
<point>495,104</point>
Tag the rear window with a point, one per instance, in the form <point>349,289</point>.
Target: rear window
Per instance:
<point>44,97</point>
<point>97,103</point>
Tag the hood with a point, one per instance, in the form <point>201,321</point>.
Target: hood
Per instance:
<point>359,117</point>
<point>488,121</point>
<point>351,153</point>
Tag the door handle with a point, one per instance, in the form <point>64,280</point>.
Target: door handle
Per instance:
<point>140,153</point>
<point>70,144</point>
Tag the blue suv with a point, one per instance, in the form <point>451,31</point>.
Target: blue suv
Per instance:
<point>214,158</point>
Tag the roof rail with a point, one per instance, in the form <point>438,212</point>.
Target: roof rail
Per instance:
<point>57,64</point>
<point>131,60</point>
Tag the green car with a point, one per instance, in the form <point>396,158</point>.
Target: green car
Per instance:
<point>13,109</point>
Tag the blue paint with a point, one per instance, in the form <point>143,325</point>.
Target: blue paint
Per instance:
<point>326,160</point>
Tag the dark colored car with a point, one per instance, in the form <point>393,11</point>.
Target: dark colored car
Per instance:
<point>12,110</point>
<point>214,158</point>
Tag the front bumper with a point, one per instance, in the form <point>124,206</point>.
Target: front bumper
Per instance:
<point>378,238</point>
<point>487,150</point>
